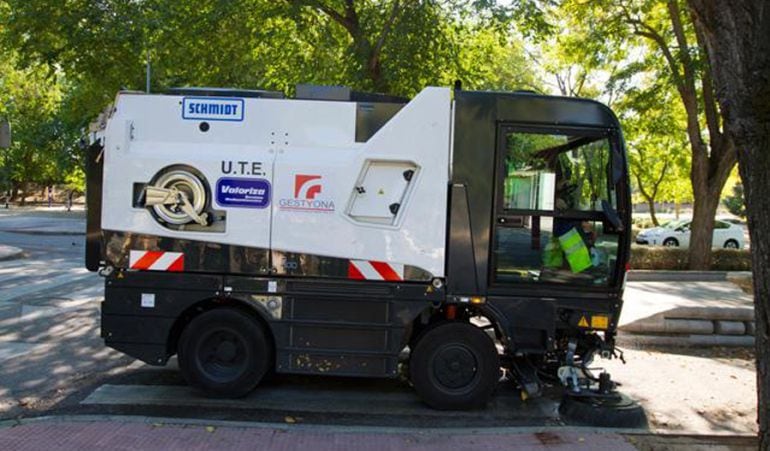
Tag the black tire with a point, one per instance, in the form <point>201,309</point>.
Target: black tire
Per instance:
<point>619,411</point>
<point>671,242</point>
<point>454,366</point>
<point>731,244</point>
<point>224,353</point>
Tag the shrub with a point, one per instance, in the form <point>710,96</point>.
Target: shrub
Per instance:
<point>675,259</point>
<point>731,260</point>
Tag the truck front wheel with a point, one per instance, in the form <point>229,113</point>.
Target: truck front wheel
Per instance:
<point>454,366</point>
<point>224,353</point>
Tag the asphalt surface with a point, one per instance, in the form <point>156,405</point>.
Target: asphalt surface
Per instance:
<point>49,337</point>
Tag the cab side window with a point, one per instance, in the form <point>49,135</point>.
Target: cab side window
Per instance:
<point>552,190</point>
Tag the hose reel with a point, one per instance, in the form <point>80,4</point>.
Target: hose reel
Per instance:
<point>178,197</point>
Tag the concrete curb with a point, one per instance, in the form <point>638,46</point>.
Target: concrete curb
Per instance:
<point>686,341</point>
<point>350,429</point>
<point>644,275</point>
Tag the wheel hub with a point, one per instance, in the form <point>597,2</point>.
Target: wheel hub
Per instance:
<point>222,355</point>
<point>455,366</point>
<point>226,351</point>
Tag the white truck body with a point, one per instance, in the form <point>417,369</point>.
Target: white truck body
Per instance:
<point>306,153</point>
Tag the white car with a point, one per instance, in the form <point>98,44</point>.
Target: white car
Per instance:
<point>677,233</point>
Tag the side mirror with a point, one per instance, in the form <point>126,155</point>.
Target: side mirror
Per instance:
<point>5,134</point>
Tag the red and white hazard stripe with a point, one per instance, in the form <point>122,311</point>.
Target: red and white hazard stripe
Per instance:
<point>156,261</point>
<point>371,270</point>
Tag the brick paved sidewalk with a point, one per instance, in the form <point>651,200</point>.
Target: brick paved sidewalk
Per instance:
<point>146,436</point>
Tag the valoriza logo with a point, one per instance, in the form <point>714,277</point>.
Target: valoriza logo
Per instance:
<point>307,195</point>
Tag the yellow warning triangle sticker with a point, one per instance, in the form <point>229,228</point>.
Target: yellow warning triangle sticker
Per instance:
<point>583,322</point>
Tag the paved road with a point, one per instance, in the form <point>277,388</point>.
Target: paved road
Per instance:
<point>49,338</point>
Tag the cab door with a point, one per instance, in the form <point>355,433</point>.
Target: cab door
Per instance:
<point>555,219</point>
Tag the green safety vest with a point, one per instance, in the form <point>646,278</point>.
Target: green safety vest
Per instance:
<point>575,249</point>
<point>553,257</point>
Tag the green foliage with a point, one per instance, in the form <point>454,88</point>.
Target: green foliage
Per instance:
<point>81,52</point>
<point>659,156</point>
<point>630,51</point>
<point>490,61</point>
<point>734,202</point>
<point>41,150</point>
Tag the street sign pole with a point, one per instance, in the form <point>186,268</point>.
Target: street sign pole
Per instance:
<point>5,143</point>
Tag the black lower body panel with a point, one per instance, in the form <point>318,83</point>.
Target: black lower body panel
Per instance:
<point>350,328</point>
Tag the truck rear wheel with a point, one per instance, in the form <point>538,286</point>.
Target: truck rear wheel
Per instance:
<point>454,366</point>
<point>224,353</point>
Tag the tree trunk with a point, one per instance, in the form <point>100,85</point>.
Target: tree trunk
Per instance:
<point>374,70</point>
<point>735,33</point>
<point>367,49</point>
<point>758,206</point>
<point>708,175</point>
<point>23,186</point>
<point>702,229</point>
<point>651,205</point>
<point>14,191</point>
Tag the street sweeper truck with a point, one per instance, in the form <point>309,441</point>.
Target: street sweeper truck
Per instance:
<point>452,237</point>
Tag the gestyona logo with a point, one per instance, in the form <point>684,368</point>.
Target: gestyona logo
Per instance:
<point>306,190</point>
<point>307,186</point>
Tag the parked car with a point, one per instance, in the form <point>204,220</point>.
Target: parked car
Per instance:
<point>733,220</point>
<point>676,233</point>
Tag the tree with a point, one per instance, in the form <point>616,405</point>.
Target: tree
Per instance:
<point>734,33</point>
<point>487,59</point>
<point>398,46</point>
<point>574,62</point>
<point>658,158</point>
<point>369,27</point>
<point>30,98</point>
<point>101,46</point>
<point>675,53</point>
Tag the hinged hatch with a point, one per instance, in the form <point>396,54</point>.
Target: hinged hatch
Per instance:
<point>381,191</point>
